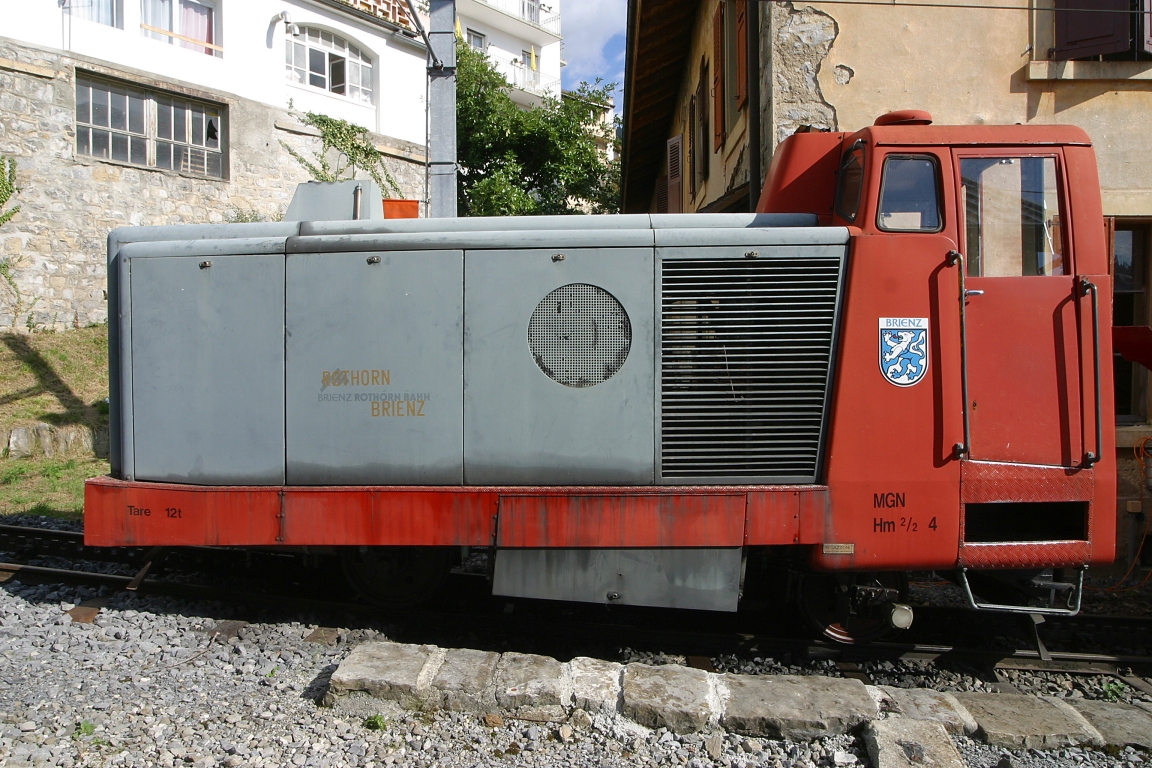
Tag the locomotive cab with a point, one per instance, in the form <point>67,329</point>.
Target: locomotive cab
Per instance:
<point>986,246</point>
<point>895,365</point>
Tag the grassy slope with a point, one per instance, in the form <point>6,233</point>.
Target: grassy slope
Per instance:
<point>61,379</point>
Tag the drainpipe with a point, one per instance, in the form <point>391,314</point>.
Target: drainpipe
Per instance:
<point>752,24</point>
<point>442,109</point>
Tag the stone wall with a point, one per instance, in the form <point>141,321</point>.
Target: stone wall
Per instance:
<point>55,247</point>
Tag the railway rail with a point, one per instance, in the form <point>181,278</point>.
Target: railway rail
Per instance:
<point>735,635</point>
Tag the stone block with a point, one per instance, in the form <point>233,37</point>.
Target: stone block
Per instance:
<point>1119,724</point>
<point>75,440</point>
<point>46,439</point>
<point>927,704</point>
<point>21,442</point>
<point>465,680</point>
<point>391,671</point>
<point>901,742</point>
<point>793,707</point>
<point>1014,721</point>
<point>677,698</point>
<point>595,684</point>
<point>532,687</point>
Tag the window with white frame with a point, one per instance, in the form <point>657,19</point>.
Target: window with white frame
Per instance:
<point>327,61</point>
<point>149,128</point>
<point>108,12</point>
<point>190,24</point>
<point>477,40</point>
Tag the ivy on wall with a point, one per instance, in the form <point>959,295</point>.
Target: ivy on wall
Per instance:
<point>353,151</point>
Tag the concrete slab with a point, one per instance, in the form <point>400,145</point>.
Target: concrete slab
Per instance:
<point>595,684</point>
<point>390,671</point>
<point>1014,721</point>
<point>902,742</point>
<point>927,704</point>
<point>532,687</point>
<point>677,698</point>
<point>792,707</point>
<point>466,680</point>
<point>1119,724</point>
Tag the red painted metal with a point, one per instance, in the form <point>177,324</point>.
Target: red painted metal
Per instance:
<point>664,516</point>
<point>984,482</point>
<point>1026,554</point>
<point>615,520</point>
<point>802,177</point>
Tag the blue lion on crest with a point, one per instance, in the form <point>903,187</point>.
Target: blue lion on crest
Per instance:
<point>903,355</point>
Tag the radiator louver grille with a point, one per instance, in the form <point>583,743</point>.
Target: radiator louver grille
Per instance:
<point>746,347</point>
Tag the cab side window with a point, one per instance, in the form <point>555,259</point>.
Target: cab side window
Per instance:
<point>1012,216</point>
<point>909,194</point>
<point>851,185</point>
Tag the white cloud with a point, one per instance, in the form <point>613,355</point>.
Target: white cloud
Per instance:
<point>588,26</point>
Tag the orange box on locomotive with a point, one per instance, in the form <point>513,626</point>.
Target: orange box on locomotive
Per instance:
<point>969,415</point>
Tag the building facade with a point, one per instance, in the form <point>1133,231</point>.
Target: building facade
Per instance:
<point>693,81</point>
<point>522,38</point>
<point>140,112</point>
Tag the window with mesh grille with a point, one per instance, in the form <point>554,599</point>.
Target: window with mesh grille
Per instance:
<point>579,335</point>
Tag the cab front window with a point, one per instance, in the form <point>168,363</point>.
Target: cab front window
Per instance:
<point>909,194</point>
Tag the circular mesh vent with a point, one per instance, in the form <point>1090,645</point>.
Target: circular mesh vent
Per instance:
<point>580,335</point>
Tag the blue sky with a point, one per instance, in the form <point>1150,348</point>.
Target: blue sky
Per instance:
<point>594,42</point>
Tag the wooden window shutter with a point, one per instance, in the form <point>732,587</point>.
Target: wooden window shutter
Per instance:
<point>676,174</point>
<point>661,194</point>
<point>718,78</point>
<point>1080,33</point>
<point>741,54</point>
<point>701,127</point>
<point>693,137</point>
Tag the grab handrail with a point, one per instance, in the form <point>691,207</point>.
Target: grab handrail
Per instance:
<point>1086,287</point>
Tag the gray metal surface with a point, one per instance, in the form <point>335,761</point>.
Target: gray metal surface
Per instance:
<point>472,240</point>
<point>336,200</point>
<point>207,356</point>
<point>374,369</point>
<point>745,359</point>
<point>556,223</point>
<point>122,236</point>
<point>674,239</point>
<point>442,109</point>
<point>701,579</point>
<point>520,426</point>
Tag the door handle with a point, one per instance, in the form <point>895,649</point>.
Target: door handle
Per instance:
<point>960,450</point>
<point>1087,286</point>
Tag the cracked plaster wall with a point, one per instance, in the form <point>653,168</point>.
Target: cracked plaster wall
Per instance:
<point>967,66</point>
<point>801,38</point>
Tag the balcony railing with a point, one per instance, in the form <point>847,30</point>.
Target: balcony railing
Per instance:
<point>395,11</point>
<point>523,77</point>
<point>529,11</point>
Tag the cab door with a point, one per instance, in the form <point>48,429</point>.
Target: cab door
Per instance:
<point>1023,346</point>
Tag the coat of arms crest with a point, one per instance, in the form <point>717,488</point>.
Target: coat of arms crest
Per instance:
<point>904,349</point>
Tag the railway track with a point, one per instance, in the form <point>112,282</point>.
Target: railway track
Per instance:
<point>578,625</point>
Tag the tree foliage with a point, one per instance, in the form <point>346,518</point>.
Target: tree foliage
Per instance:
<point>353,150</point>
<point>545,160</point>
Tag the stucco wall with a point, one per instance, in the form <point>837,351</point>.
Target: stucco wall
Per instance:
<point>69,202</point>
<point>840,66</point>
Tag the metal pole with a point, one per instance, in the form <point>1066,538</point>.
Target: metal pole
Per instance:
<point>442,109</point>
<point>755,141</point>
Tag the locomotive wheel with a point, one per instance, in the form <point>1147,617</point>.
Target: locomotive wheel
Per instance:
<point>396,577</point>
<point>822,599</point>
